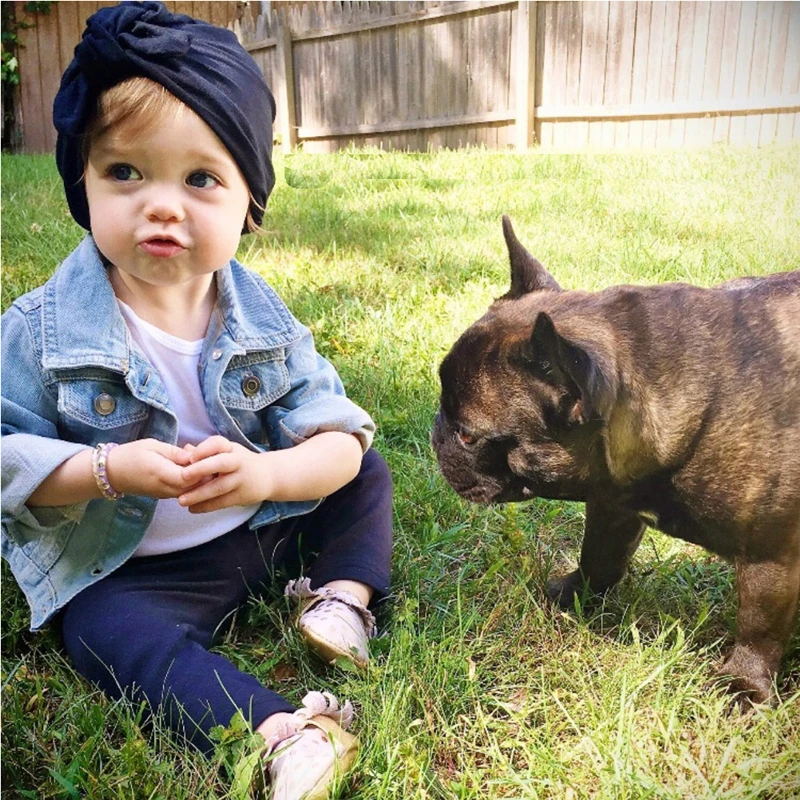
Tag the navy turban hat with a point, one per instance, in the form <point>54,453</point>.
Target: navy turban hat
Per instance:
<point>203,65</point>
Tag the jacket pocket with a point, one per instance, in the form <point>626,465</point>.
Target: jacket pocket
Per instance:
<point>92,409</point>
<point>250,384</point>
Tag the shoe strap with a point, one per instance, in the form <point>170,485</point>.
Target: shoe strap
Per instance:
<point>324,704</point>
<point>315,704</point>
<point>301,589</point>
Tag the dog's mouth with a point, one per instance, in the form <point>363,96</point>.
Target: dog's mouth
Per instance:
<point>516,492</point>
<point>491,493</point>
<point>478,494</point>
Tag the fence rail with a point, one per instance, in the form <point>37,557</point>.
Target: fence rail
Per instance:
<point>497,73</point>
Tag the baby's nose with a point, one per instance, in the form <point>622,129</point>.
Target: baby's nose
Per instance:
<point>164,205</point>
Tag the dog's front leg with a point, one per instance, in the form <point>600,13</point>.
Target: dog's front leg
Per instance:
<point>768,596</point>
<point>612,534</point>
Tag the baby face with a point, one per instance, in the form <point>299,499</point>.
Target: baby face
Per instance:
<point>167,204</point>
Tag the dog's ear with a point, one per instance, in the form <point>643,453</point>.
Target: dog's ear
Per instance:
<point>570,367</point>
<point>527,274</point>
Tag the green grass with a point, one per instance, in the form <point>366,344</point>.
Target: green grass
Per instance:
<point>478,687</point>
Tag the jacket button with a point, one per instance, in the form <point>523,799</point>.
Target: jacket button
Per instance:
<point>216,355</point>
<point>251,385</point>
<point>104,404</point>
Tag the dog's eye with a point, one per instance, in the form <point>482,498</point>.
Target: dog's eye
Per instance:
<point>465,437</point>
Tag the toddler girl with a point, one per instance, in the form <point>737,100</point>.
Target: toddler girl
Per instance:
<point>171,436</point>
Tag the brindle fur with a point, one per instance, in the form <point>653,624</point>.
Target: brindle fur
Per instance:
<point>670,405</point>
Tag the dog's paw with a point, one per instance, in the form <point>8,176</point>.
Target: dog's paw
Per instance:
<point>575,586</point>
<point>742,699</point>
<point>564,590</point>
<point>748,678</point>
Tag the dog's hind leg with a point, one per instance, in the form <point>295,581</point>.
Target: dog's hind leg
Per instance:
<point>768,597</point>
<point>612,534</point>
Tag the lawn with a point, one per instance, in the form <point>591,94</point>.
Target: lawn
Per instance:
<point>478,688</point>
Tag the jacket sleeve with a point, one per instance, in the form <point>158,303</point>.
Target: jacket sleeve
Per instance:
<point>316,400</point>
<point>31,447</point>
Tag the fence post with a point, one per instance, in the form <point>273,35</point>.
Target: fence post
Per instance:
<point>284,80</point>
<point>525,73</point>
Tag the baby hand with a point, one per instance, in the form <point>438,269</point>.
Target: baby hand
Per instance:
<point>148,467</point>
<point>222,474</point>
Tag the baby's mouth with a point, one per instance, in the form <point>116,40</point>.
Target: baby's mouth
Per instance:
<point>161,247</point>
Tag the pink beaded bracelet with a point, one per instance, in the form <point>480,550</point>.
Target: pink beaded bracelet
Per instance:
<point>99,458</point>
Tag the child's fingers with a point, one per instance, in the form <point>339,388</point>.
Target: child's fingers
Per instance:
<point>200,498</point>
<point>175,454</point>
<point>210,447</point>
<point>215,504</point>
<point>212,465</point>
<point>169,481</point>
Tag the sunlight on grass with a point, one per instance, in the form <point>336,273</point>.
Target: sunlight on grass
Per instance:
<point>479,688</point>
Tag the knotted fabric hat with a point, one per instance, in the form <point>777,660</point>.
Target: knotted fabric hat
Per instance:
<point>203,65</point>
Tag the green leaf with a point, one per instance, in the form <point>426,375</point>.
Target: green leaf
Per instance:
<point>68,785</point>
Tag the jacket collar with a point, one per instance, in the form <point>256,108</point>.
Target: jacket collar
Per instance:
<point>83,326</point>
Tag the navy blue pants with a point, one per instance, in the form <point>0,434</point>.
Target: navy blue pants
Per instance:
<point>144,631</point>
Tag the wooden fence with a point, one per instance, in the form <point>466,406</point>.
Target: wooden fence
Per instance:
<point>502,74</point>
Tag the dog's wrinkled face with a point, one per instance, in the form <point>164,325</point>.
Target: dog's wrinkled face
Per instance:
<point>503,433</point>
<point>516,419</point>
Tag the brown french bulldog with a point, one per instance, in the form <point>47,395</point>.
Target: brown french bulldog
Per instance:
<point>670,406</point>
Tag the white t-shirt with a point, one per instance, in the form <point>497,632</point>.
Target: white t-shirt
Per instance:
<point>176,361</point>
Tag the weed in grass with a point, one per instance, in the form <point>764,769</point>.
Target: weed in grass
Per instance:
<point>479,688</point>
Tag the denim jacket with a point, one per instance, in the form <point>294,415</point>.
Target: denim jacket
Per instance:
<point>72,377</point>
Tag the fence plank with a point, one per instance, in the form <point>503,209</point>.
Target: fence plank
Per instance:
<point>758,67</point>
<point>791,75</point>
<point>525,69</point>
<point>789,124</point>
<point>778,39</point>
<point>727,74</point>
<point>565,136</point>
<point>670,34</point>
<point>598,69</point>
<point>33,120</point>
<point>543,9</point>
<point>653,83</point>
<point>49,72</point>
<point>70,26</point>
<point>622,45</point>
<point>619,68</point>
<point>709,19</point>
<point>460,56</point>
<point>642,45</point>
<point>744,60</point>
<point>585,56</point>
<point>284,87</point>
<point>683,69</point>
<point>553,41</point>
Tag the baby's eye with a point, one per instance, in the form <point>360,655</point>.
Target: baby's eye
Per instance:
<point>124,172</point>
<point>201,180</point>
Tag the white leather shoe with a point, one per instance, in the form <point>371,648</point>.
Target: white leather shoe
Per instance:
<point>307,764</point>
<point>335,624</point>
